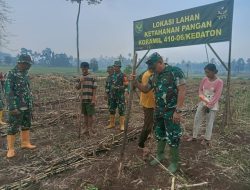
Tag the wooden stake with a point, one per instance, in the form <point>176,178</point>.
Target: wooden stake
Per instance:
<point>80,112</point>
<point>192,185</point>
<point>127,116</point>
<point>173,181</point>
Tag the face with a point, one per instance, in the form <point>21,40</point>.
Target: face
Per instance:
<point>117,69</point>
<point>158,67</point>
<point>110,71</point>
<point>85,71</point>
<point>23,67</point>
<point>209,74</point>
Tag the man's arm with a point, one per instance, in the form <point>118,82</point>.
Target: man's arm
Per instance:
<point>94,91</point>
<point>94,96</point>
<point>181,96</point>
<point>181,87</point>
<point>143,88</point>
<point>180,103</point>
<point>11,99</point>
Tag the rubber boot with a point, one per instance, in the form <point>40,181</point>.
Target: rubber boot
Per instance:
<point>122,123</point>
<point>1,118</point>
<point>112,122</point>
<point>174,153</point>
<point>25,140</point>
<point>11,141</point>
<point>160,153</point>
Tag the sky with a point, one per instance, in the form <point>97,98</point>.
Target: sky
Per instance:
<point>107,29</point>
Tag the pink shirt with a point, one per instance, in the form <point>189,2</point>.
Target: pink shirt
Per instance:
<point>212,91</point>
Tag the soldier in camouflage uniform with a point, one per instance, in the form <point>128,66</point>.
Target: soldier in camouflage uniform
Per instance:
<point>110,71</point>
<point>169,87</point>
<point>19,102</point>
<point>1,99</point>
<point>117,89</point>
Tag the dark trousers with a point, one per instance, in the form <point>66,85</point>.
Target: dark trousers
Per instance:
<point>147,127</point>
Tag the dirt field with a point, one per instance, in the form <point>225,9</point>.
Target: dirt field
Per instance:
<point>63,161</point>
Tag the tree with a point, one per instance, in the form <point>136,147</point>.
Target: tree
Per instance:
<point>240,64</point>
<point>77,26</point>
<point>93,65</point>
<point>36,56</point>
<point>248,61</point>
<point>4,11</point>
<point>188,67</point>
<point>47,56</point>
<point>26,51</point>
<point>248,64</point>
<point>61,59</point>
<point>234,65</point>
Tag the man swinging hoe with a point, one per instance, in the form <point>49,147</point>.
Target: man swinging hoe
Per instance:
<point>169,88</point>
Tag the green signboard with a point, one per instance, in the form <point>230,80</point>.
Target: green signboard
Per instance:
<point>200,25</point>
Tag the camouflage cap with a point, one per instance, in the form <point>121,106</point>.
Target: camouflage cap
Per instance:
<point>110,67</point>
<point>24,58</point>
<point>153,59</point>
<point>118,63</point>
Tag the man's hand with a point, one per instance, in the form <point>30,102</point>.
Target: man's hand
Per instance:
<point>132,77</point>
<point>177,118</point>
<point>15,112</point>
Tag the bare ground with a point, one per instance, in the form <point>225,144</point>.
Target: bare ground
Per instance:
<point>63,161</point>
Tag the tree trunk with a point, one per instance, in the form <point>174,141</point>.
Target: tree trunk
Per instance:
<point>77,36</point>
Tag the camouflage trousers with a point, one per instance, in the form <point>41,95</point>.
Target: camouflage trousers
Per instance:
<point>22,120</point>
<point>1,101</point>
<point>1,105</point>
<point>166,130</point>
<point>117,102</point>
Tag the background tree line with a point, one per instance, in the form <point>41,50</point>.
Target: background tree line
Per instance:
<point>49,58</point>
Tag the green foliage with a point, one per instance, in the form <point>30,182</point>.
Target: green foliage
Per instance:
<point>90,187</point>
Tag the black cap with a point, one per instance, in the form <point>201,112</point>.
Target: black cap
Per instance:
<point>153,59</point>
<point>211,67</point>
<point>85,65</point>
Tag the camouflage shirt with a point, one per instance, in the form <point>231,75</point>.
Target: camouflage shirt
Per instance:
<point>17,90</point>
<point>108,84</point>
<point>165,88</point>
<point>118,85</point>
